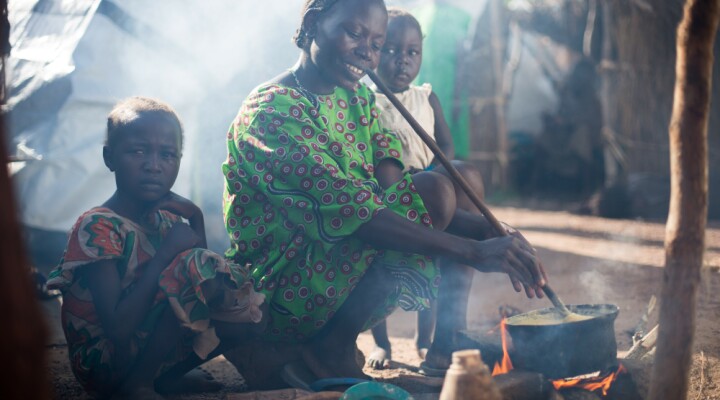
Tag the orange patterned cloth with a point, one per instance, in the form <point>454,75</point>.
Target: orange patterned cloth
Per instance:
<point>101,234</point>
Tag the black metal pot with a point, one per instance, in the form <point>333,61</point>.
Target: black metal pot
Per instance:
<point>565,349</point>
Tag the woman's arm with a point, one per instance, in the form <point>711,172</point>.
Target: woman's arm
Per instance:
<point>443,137</point>
<point>508,254</point>
<point>121,316</point>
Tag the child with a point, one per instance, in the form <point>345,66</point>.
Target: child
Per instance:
<point>144,301</point>
<point>399,66</point>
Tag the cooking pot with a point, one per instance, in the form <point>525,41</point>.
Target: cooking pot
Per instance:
<point>544,343</point>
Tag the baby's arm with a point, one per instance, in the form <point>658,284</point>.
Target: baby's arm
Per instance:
<point>185,208</point>
<point>120,315</point>
<point>443,137</point>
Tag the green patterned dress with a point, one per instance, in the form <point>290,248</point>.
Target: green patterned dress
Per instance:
<point>101,234</point>
<point>299,180</point>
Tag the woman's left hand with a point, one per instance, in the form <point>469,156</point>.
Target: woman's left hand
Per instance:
<point>530,291</point>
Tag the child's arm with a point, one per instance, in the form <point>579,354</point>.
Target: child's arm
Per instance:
<point>121,315</point>
<point>442,130</point>
<point>185,208</point>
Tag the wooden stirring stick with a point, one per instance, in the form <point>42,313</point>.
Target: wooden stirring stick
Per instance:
<point>455,174</point>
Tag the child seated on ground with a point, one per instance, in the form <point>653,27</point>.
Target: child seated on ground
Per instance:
<point>400,62</point>
<point>143,301</point>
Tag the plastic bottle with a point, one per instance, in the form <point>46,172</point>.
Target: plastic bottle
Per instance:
<point>468,378</point>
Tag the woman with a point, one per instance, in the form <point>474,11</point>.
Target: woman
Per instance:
<point>316,201</point>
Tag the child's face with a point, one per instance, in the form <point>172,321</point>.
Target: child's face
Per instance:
<point>348,40</point>
<point>401,56</point>
<point>146,158</point>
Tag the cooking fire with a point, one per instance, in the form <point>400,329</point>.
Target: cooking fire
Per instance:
<point>598,381</point>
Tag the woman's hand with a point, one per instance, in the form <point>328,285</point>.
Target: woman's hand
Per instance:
<point>514,256</point>
<point>530,290</point>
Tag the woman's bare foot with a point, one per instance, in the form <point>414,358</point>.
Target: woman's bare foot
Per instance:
<point>195,381</point>
<point>379,357</point>
<point>332,361</point>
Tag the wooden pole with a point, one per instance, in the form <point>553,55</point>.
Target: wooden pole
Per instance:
<point>685,231</point>
<point>22,337</point>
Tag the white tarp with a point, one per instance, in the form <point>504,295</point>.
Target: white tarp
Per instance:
<point>72,60</point>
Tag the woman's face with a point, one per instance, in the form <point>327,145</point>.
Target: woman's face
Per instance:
<point>401,55</point>
<point>348,40</point>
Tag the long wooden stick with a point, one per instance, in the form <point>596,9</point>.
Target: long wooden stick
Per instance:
<point>455,174</point>
<point>439,154</point>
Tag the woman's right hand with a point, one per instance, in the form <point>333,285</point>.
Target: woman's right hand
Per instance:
<point>179,238</point>
<point>513,256</point>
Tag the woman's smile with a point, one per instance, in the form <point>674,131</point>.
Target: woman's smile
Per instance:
<point>347,43</point>
<point>355,70</point>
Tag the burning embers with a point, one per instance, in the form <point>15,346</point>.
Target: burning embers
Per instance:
<point>590,382</point>
<point>597,381</point>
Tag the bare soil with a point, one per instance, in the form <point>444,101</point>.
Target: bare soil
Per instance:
<point>588,260</point>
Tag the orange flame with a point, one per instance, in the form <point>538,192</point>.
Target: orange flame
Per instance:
<point>593,384</point>
<point>505,365</point>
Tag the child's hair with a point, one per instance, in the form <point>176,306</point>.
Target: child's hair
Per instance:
<point>403,14</point>
<point>128,110</point>
<point>302,38</point>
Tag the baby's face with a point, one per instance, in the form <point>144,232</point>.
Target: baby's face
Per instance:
<point>401,56</point>
<point>146,158</point>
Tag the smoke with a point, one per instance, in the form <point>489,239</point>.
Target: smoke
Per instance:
<point>200,57</point>
<point>206,57</point>
<point>203,58</point>
<point>597,284</point>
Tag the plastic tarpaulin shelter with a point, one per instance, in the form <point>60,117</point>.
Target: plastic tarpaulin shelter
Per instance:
<point>71,60</point>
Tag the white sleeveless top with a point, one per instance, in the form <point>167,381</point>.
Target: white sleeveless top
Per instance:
<point>417,100</point>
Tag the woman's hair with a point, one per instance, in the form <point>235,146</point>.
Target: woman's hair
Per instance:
<point>302,38</point>
<point>404,15</point>
<point>127,111</point>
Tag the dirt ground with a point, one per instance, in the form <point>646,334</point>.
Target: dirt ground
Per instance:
<point>588,260</point>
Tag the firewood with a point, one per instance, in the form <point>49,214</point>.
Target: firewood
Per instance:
<point>643,346</point>
<point>522,385</point>
<point>579,394</point>
<point>641,326</point>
